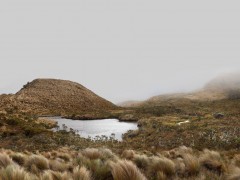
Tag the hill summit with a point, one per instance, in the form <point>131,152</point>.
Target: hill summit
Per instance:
<point>53,96</point>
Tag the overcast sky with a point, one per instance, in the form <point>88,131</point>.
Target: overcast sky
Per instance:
<point>120,49</point>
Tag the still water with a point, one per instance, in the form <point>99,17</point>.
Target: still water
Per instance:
<point>93,128</point>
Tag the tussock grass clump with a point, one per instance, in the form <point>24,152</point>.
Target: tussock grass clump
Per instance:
<point>100,169</point>
<point>128,154</point>
<point>235,174</point>
<point>51,175</point>
<point>5,160</point>
<point>91,153</point>
<point>66,157</point>
<point>212,161</point>
<point>55,165</point>
<point>125,170</point>
<point>179,152</point>
<point>192,165</point>
<point>161,176</point>
<point>236,160</point>
<point>18,158</point>
<point>37,164</point>
<point>13,172</point>
<point>81,174</point>
<point>107,154</point>
<point>162,164</point>
<point>142,161</point>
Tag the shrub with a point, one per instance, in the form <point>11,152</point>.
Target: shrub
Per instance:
<point>12,122</point>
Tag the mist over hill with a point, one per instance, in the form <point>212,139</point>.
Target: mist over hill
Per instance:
<point>226,86</point>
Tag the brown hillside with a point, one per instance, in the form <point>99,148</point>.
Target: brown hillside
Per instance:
<point>222,87</point>
<point>55,97</point>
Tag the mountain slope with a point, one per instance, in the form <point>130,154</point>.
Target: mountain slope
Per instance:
<point>222,87</point>
<point>52,96</point>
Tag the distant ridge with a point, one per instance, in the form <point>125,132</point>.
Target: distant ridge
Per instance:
<point>55,97</point>
<point>223,87</point>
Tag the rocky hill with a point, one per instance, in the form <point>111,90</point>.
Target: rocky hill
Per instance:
<point>55,97</point>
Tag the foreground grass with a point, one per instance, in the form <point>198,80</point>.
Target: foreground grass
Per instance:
<point>101,164</point>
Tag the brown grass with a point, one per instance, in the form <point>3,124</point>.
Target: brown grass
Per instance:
<point>13,172</point>
<point>164,165</point>
<point>235,174</point>
<point>5,160</point>
<point>126,170</point>
<point>128,154</point>
<point>212,161</point>
<point>192,165</point>
<point>91,153</point>
<point>37,163</point>
<point>18,158</point>
<point>81,174</point>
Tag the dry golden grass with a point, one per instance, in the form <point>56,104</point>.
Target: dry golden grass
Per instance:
<point>163,165</point>
<point>18,158</point>
<point>81,174</point>
<point>126,170</point>
<point>37,164</point>
<point>192,165</point>
<point>212,161</point>
<point>142,161</point>
<point>91,153</point>
<point>13,172</point>
<point>128,154</point>
<point>235,174</point>
<point>5,160</point>
<point>236,160</point>
<point>56,165</point>
<point>103,164</point>
<point>51,175</point>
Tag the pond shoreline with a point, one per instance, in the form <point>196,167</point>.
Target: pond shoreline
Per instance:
<point>95,127</point>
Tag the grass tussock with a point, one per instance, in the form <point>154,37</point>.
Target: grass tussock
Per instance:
<point>81,174</point>
<point>125,170</point>
<point>192,165</point>
<point>5,160</point>
<point>234,175</point>
<point>103,164</point>
<point>37,164</point>
<point>212,161</point>
<point>163,165</point>
<point>128,154</point>
<point>91,153</point>
<point>13,172</point>
<point>18,158</point>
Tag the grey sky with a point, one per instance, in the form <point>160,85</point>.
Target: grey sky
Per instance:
<point>124,49</point>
